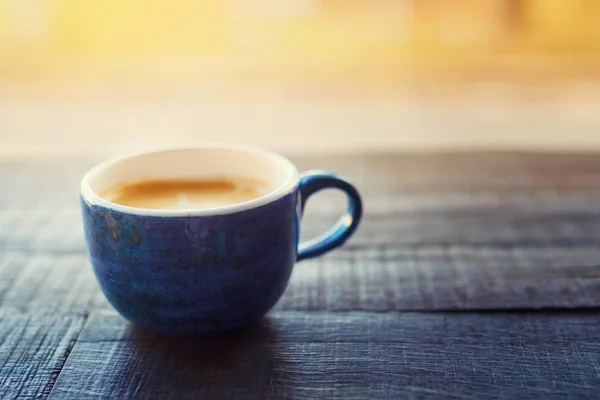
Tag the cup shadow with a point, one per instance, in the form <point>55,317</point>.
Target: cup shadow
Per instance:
<point>247,364</point>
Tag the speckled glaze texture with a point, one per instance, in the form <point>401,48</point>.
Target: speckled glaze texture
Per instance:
<point>187,275</point>
<point>207,272</point>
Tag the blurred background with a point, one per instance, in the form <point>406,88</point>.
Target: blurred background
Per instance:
<point>82,77</point>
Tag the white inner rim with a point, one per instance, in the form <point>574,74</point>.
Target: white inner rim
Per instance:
<point>209,161</point>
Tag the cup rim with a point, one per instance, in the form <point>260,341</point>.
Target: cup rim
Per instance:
<point>93,199</point>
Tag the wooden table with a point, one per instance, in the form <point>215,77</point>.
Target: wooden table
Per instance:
<point>472,275</point>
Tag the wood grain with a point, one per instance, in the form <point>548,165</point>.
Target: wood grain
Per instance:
<point>446,278</point>
<point>60,231</point>
<point>49,285</point>
<point>495,199</point>
<point>366,279</point>
<point>33,349</point>
<point>342,355</point>
<point>445,232</point>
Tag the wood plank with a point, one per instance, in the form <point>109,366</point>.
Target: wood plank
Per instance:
<point>442,232</point>
<point>60,231</point>
<point>17,200</point>
<point>343,355</point>
<point>446,278</point>
<point>378,174</point>
<point>33,349</point>
<point>379,171</point>
<point>365,278</point>
<point>409,200</point>
<point>48,284</point>
<point>543,231</point>
<point>474,227</point>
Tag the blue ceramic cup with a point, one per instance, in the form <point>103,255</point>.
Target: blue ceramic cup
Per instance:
<point>204,270</point>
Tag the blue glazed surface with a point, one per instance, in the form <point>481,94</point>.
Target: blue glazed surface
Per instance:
<point>188,275</point>
<point>346,226</point>
<point>195,274</point>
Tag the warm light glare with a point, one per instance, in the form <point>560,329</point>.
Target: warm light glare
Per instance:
<point>45,37</point>
<point>105,77</point>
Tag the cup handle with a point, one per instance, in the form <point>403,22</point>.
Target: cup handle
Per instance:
<point>314,181</point>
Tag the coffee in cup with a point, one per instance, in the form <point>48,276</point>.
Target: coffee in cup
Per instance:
<point>202,240</point>
<point>185,194</point>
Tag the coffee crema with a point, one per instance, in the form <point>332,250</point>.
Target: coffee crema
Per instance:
<point>185,194</point>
